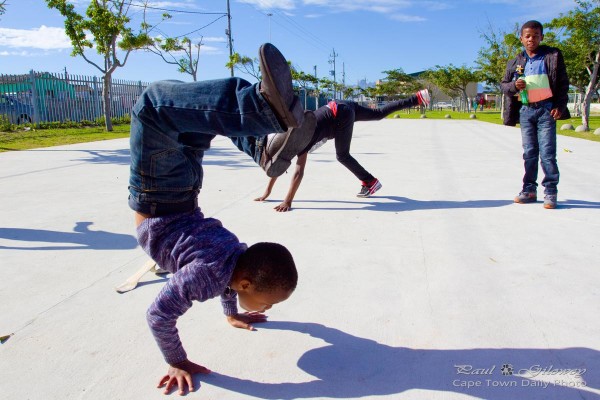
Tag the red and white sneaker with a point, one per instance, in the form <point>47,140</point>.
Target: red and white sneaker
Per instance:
<point>423,97</point>
<point>369,188</point>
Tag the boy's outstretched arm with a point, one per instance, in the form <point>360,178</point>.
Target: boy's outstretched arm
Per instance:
<point>286,205</point>
<point>175,298</point>
<point>267,190</point>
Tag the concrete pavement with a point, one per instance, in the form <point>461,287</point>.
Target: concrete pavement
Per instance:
<point>437,287</point>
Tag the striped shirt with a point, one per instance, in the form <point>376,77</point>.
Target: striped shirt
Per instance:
<point>201,254</point>
<point>536,77</point>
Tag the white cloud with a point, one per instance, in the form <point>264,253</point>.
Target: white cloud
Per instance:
<point>210,50</point>
<point>271,4</point>
<point>219,39</point>
<point>382,6</point>
<point>437,5</point>
<point>169,4</point>
<point>407,18</point>
<point>44,37</point>
<point>16,53</point>
<point>392,8</point>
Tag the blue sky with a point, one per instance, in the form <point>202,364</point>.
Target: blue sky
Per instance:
<point>369,36</point>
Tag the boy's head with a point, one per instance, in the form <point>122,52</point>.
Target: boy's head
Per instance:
<point>532,33</point>
<point>265,274</point>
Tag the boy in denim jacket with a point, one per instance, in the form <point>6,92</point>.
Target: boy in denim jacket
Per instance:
<point>541,71</point>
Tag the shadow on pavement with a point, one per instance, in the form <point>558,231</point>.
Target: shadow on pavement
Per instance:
<point>404,204</point>
<point>353,367</point>
<point>568,204</point>
<point>81,238</point>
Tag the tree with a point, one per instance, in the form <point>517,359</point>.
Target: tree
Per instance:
<point>581,46</point>
<point>245,64</point>
<point>2,7</point>
<point>349,92</point>
<point>326,86</point>
<point>169,49</point>
<point>303,80</point>
<point>453,80</point>
<point>397,84</point>
<point>107,22</point>
<point>492,60</point>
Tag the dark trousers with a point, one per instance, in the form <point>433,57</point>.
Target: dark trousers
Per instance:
<point>348,113</point>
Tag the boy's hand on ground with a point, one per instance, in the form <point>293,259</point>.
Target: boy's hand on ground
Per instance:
<point>180,375</point>
<point>261,198</point>
<point>284,206</point>
<point>243,321</point>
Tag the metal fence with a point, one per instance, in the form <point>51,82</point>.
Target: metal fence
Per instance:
<point>49,97</point>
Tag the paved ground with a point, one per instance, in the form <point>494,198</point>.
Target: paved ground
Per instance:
<point>427,288</point>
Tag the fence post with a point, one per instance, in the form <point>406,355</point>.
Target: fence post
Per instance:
<point>96,100</point>
<point>34,99</point>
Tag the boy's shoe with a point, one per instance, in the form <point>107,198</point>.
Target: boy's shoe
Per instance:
<point>276,87</point>
<point>526,197</point>
<point>550,201</point>
<point>159,271</point>
<point>423,97</point>
<point>280,148</point>
<point>369,188</point>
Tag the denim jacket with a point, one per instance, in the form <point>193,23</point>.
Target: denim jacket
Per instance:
<point>557,75</point>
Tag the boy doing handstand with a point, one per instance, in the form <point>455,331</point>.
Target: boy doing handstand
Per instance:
<point>332,121</point>
<point>172,126</point>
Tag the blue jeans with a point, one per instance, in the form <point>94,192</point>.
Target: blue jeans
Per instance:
<point>250,145</point>
<point>538,132</point>
<point>172,125</point>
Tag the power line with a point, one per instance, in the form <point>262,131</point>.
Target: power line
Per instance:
<point>304,30</point>
<point>199,29</point>
<point>304,35</point>
<point>174,11</point>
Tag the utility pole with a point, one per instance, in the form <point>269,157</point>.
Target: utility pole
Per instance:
<point>269,15</point>
<point>343,76</point>
<point>228,33</point>
<point>332,72</point>
<point>316,89</point>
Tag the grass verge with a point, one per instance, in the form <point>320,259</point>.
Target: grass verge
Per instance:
<point>494,118</point>
<point>36,138</point>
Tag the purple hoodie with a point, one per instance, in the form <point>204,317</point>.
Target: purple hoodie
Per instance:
<point>201,254</point>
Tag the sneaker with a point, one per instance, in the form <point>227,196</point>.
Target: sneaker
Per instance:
<point>423,97</point>
<point>369,188</point>
<point>276,87</point>
<point>280,148</point>
<point>550,201</point>
<point>526,197</point>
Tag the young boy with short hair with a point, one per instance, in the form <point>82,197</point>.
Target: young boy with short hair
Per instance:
<point>540,71</point>
<point>172,125</point>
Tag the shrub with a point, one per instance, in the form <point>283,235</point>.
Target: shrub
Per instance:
<point>5,125</point>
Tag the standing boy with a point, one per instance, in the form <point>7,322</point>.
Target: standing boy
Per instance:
<point>333,121</point>
<point>541,72</point>
<point>172,125</point>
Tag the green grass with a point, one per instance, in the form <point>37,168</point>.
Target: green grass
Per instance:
<point>36,138</point>
<point>494,117</point>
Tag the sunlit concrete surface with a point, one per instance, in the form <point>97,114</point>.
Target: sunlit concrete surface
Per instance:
<point>437,287</point>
